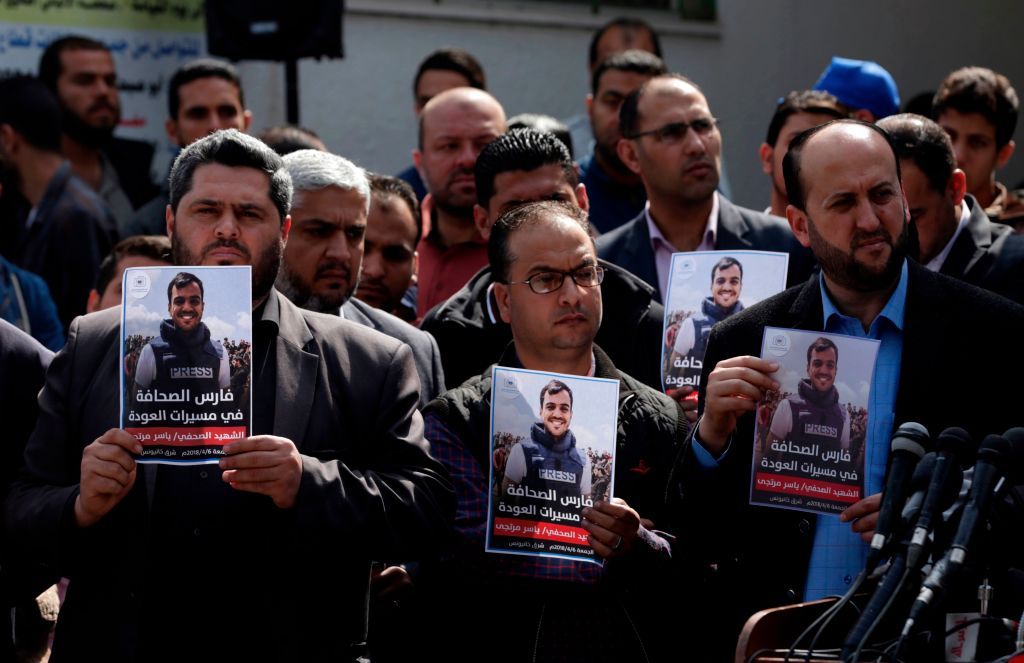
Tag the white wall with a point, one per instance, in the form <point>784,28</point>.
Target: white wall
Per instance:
<point>758,51</point>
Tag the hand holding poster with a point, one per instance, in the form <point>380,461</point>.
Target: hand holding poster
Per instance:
<point>552,445</point>
<point>737,279</point>
<point>186,346</point>
<point>809,436</point>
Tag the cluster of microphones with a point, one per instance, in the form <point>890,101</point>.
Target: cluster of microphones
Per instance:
<point>933,522</point>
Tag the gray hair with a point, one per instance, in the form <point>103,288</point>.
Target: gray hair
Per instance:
<point>312,170</point>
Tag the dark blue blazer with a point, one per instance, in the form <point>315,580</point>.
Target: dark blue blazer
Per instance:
<point>988,255</point>
<point>739,228</point>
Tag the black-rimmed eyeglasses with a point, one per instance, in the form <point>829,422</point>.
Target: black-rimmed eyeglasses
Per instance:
<point>542,283</point>
<point>676,131</point>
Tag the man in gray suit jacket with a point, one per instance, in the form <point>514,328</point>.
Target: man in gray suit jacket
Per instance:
<point>671,140</point>
<point>268,556</point>
<point>324,257</point>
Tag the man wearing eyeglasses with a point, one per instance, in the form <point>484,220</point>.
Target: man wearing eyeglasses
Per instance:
<point>547,288</point>
<point>672,141</point>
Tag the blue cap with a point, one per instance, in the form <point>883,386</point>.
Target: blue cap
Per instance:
<point>861,84</point>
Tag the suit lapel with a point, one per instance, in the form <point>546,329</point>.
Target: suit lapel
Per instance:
<point>732,230</point>
<point>297,371</point>
<point>970,246</point>
<point>640,255</point>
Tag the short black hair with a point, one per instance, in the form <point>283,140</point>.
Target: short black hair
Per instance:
<point>980,90</point>
<point>230,147</point>
<point>387,185</point>
<point>498,255</point>
<point>32,111</point>
<point>791,163</point>
<point>629,114</point>
<point>924,143</point>
<point>546,123</point>
<point>195,70</point>
<point>49,62</point>
<point>452,59</point>
<point>554,387</point>
<point>627,24</point>
<point>633,61</point>
<point>182,279</point>
<point>520,149</point>
<point>803,101</point>
<point>822,344</point>
<point>726,263</point>
<point>154,247</point>
<point>287,139</point>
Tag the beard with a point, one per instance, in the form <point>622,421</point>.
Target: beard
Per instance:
<point>82,132</point>
<point>845,270</point>
<point>264,269</point>
<point>301,294</point>
<point>610,157</point>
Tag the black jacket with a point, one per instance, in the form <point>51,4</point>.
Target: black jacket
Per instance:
<point>742,558</point>
<point>630,333</point>
<point>535,616</point>
<point>988,255</point>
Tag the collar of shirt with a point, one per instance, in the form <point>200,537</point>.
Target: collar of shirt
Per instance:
<point>893,311</point>
<point>663,250</point>
<point>935,264</point>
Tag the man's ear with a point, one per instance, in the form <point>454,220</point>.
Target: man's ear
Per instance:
<point>956,188</point>
<point>627,154</point>
<point>1004,154</point>
<point>246,120</point>
<point>798,224</point>
<point>286,227</point>
<point>589,102</point>
<point>501,295</point>
<point>582,200</point>
<point>483,225</point>
<point>417,160</point>
<point>171,128</point>
<point>93,302</point>
<point>766,152</point>
<point>169,218</point>
<point>415,268</point>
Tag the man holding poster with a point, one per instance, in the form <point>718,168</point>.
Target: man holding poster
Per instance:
<point>171,563</point>
<point>847,205</point>
<point>548,290</point>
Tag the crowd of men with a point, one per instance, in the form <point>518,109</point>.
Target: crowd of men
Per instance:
<point>351,524</point>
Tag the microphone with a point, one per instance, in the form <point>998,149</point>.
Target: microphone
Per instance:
<point>950,445</point>
<point>995,456</point>
<point>905,453</point>
<point>892,584</point>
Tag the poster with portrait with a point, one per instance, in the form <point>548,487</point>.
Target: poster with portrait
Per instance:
<point>810,433</point>
<point>553,453</point>
<point>186,353</point>
<point>706,287</point>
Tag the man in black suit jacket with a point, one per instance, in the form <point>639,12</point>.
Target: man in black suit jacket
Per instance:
<point>337,473</point>
<point>954,234</point>
<point>324,256</point>
<point>23,363</point>
<point>671,140</point>
<point>847,206</point>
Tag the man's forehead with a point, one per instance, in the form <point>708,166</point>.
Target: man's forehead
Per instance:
<point>91,59</point>
<point>836,156</point>
<point>540,181</point>
<point>673,95</point>
<point>979,124</point>
<point>561,395</point>
<point>197,92</point>
<point>191,287</point>
<point>345,202</point>
<point>230,184</point>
